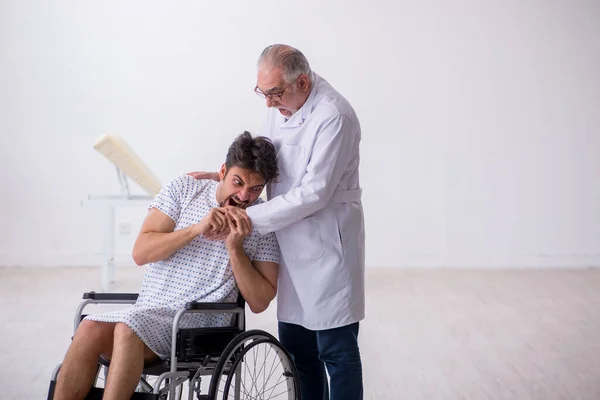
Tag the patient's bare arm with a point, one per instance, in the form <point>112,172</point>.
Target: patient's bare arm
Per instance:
<point>157,239</point>
<point>257,280</point>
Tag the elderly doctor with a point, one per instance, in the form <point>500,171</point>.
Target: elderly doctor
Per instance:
<point>316,212</point>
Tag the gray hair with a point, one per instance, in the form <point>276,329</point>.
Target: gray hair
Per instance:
<point>292,62</point>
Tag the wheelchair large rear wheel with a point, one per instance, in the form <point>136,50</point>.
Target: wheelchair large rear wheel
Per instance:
<point>255,366</point>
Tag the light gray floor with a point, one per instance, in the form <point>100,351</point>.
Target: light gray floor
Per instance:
<point>429,334</point>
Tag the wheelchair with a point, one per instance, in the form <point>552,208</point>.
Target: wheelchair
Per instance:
<point>242,365</point>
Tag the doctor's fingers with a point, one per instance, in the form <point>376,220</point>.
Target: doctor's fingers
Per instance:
<point>218,211</point>
<point>204,175</point>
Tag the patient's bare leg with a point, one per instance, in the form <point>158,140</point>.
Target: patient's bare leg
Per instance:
<point>126,364</point>
<point>78,369</point>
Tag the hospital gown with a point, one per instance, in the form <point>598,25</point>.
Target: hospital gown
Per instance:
<point>200,271</point>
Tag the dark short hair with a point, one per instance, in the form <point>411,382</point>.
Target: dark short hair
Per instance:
<point>256,154</point>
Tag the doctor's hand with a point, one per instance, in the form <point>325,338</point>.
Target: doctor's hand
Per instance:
<point>239,227</point>
<point>204,175</point>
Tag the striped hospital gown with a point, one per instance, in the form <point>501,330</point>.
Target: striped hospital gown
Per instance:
<point>200,271</point>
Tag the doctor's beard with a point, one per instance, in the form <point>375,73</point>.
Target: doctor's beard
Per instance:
<point>291,111</point>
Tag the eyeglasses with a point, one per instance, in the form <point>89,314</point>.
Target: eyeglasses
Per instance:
<point>273,95</point>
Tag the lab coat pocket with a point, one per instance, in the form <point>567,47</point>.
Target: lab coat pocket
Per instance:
<point>301,241</point>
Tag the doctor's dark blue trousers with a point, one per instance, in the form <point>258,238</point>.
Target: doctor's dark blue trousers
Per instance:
<point>335,349</point>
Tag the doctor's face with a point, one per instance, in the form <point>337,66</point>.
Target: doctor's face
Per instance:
<point>238,187</point>
<point>286,97</point>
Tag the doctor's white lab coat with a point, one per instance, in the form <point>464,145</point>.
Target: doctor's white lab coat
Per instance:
<point>316,212</point>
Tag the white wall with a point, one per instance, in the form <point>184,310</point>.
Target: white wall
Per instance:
<point>481,119</point>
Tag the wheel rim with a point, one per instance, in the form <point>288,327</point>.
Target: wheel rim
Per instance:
<point>264,371</point>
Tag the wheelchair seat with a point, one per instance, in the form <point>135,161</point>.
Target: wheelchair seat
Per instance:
<point>241,364</point>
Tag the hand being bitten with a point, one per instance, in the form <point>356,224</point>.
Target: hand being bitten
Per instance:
<point>234,216</point>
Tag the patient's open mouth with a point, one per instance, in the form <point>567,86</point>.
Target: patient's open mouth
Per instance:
<point>236,203</point>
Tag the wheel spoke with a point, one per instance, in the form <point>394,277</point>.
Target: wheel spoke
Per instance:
<point>258,367</point>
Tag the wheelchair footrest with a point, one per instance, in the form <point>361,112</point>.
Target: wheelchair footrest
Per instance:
<point>97,393</point>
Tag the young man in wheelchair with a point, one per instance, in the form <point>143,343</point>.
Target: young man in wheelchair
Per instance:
<point>187,262</point>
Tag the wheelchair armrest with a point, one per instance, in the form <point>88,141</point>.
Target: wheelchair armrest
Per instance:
<point>110,296</point>
<point>102,298</point>
<point>197,305</point>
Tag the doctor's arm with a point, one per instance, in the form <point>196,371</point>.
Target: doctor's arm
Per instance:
<point>335,146</point>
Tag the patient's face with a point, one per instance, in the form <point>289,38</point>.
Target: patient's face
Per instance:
<point>239,187</point>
